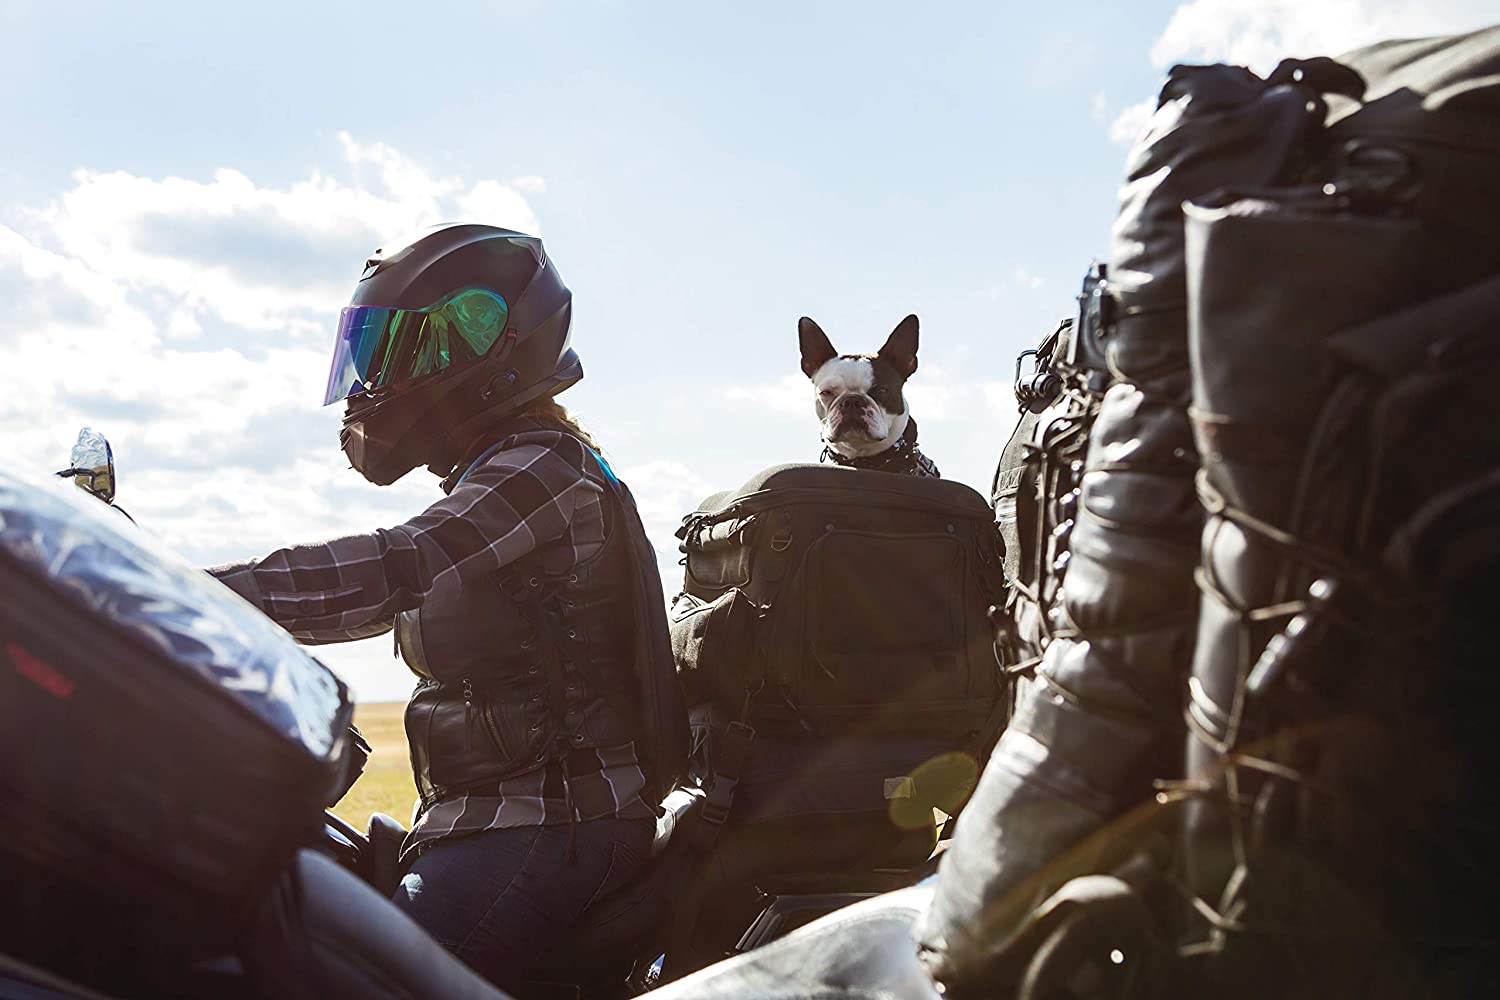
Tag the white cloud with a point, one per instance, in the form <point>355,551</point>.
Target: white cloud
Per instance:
<point>491,200</point>
<point>665,488</point>
<point>945,398</point>
<point>1000,397</point>
<point>259,257</point>
<point>1131,121</point>
<point>190,319</point>
<point>1260,33</point>
<point>1099,106</point>
<point>1021,278</point>
<point>790,395</point>
<point>664,491</point>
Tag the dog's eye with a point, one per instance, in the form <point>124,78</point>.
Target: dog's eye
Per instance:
<point>825,393</point>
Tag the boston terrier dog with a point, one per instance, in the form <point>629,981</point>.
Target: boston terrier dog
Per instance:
<point>860,402</point>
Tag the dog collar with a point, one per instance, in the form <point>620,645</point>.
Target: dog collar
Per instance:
<point>903,457</point>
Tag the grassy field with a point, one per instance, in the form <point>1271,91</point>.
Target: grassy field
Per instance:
<point>386,786</point>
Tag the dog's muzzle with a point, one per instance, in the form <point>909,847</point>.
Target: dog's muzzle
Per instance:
<point>851,413</point>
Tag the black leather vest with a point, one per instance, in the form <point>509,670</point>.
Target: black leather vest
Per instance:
<point>520,667</point>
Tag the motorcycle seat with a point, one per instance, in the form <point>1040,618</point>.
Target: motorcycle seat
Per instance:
<point>609,931</point>
<point>385,837</point>
<point>866,950</point>
<point>324,932</point>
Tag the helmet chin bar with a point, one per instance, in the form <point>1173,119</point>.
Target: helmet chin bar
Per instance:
<point>386,441</point>
<point>381,462</point>
<point>430,421</point>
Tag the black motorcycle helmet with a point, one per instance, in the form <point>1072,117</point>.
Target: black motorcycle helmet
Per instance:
<point>447,334</point>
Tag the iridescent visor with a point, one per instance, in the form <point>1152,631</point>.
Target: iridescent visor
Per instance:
<point>378,347</point>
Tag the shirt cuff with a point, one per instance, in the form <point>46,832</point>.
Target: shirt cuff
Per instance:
<point>240,578</point>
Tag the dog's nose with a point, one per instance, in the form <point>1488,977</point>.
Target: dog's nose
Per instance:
<point>851,401</point>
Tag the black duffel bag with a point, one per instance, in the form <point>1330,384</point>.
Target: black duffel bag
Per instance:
<point>167,747</point>
<point>826,600</point>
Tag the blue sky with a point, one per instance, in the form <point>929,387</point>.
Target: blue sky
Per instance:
<point>188,191</point>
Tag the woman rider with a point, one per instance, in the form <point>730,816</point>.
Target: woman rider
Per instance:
<point>546,723</point>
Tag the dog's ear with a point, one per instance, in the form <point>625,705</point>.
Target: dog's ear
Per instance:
<point>900,348</point>
<point>817,350</point>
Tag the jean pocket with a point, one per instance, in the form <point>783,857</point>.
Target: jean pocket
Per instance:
<point>624,864</point>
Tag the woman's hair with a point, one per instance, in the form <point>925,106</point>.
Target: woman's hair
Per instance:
<point>548,410</point>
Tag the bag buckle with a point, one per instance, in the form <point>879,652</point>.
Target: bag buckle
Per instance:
<point>728,763</point>
<point>720,797</point>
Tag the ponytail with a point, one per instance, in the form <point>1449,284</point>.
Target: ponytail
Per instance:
<point>548,410</point>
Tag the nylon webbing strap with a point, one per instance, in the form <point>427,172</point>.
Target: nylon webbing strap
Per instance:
<point>730,752</point>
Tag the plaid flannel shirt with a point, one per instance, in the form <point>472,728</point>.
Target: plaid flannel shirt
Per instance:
<point>531,496</point>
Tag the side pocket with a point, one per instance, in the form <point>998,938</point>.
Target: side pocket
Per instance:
<point>1012,495</point>
<point>462,744</point>
<point>486,713</point>
<point>719,554</point>
<point>712,643</point>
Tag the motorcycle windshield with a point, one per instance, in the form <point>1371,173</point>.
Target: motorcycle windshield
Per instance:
<point>377,347</point>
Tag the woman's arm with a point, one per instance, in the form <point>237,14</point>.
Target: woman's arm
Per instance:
<point>352,587</point>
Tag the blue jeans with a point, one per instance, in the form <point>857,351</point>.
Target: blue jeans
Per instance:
<point>502,900</point>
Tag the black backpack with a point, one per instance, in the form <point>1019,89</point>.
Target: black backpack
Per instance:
<point>1038,480</point>
<point>828,600</point>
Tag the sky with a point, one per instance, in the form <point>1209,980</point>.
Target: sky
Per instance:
<point>188,192</point>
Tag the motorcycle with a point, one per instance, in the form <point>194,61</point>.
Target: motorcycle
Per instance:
<point>317,920</point>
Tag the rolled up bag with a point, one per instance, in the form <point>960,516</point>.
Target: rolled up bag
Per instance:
<point>1288,418</point>
<point>1103,718</point>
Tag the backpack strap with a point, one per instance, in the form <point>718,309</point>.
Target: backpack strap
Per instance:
<point>660,719</point>
<point>728,754</point>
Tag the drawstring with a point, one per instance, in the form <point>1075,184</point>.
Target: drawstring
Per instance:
<point>571,854</point>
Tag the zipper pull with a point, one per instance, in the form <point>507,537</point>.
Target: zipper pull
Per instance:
<point>468,714</point>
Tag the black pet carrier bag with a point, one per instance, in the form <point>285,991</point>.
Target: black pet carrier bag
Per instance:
<point>821,599</point>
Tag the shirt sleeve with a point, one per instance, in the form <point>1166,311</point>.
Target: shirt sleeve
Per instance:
<point>352,587</point>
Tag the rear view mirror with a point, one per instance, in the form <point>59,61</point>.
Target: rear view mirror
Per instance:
<point>92,465</point>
